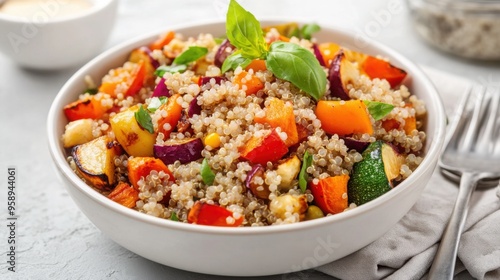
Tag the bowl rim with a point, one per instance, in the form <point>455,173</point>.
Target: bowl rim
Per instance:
<point>96,6</point>
<point>429,161</point>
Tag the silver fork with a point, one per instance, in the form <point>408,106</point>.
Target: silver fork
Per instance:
<point>473,153</point>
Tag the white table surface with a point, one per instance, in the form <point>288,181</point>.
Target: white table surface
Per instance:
<point>55,240</point>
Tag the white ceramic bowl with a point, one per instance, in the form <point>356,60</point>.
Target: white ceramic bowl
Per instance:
<point>44,41</point>
<point>248,251</point>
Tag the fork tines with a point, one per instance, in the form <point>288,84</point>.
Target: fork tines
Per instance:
<point>478,126</point>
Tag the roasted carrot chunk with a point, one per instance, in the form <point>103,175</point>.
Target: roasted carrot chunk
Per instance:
<point>89,108</point>
<point>344,117</point>
<point>302,132</point>
<point>251,83</point>
<point>141,55</point>
<point>163,40</point>
<point>174,114</point>
<point>390,124</point>
<point>284,38</point>
<point>124,194</point>
<point>378,68</point>
<point>410,123</point>
<point>128,79</point>
<point>330,194</point>
<point>140,167</point>
<point>279,114</point>
<point>257,65</point>
<point>212,215</point>
<point>138,77</point>
<point>328,51</point>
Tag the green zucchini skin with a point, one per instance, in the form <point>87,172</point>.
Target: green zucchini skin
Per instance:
<point>368,179</point>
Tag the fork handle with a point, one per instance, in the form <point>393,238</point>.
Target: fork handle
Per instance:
<point>443,266</point>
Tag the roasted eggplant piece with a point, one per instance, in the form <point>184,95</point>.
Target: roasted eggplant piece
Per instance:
<point>341,73</point>
<point>185,150</point>
<point>95,161</point>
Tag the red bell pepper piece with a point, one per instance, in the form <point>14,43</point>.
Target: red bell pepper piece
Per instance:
<point>90,108</point>
<point>263,149</point>
<point>212,215</point>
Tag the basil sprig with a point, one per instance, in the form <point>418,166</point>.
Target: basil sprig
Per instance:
<point>244,32</point>
<point>207,175</point>
<point>144,119</point>
<point>156,102</point>
<point>286,61</point>
<point>193,53</point>
<point>303,176</point>
<point>180,63</point>
<point>173,217</point>
<point>305,31</point>
<point>234,60</point>
<point>378,110</point>
<point>160,71</point>
<point>293,63</point>
<point>308,29</point>
<point>91,91</point>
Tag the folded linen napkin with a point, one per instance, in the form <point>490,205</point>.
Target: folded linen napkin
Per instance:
<point>407,250</point>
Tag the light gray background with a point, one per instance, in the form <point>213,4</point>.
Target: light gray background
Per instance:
<point>55,240</point>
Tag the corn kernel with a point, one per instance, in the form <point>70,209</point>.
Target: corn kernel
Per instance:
<point>212,140</point>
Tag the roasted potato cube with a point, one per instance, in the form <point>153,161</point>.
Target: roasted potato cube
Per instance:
<point>78,132</point>
<point>132,137</point>
<point>288,203</point>
<point>95,161</point>
<point>288,170</point>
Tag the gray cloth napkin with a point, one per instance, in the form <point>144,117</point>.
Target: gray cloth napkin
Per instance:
<point>407,250</point>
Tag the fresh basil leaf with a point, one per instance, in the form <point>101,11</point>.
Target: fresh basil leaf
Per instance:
<point>233,61</point>
<point>174,217</point>
<point>295,32</point>
<point>160,71</point>
<point>297,65</point>
<point>378,110</point>
<point>303,176</point>
<point>179,64</point>
<point>144,119</point>
<point>308,29</point>
<point>156,102</point>
<point>207,175</point>
<point>193,53</point>
<point>244,31</point>
<point>219,40</point>
<point>91,91</point>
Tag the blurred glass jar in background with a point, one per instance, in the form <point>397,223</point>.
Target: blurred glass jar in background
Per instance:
<point>466,28</point>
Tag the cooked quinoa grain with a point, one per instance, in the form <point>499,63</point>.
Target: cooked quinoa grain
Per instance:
<point>220,149</point>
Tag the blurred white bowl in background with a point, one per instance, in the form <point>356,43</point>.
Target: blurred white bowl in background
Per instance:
<point>52,34</point>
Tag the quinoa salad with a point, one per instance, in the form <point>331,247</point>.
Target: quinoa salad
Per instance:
<point>212,131</point>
